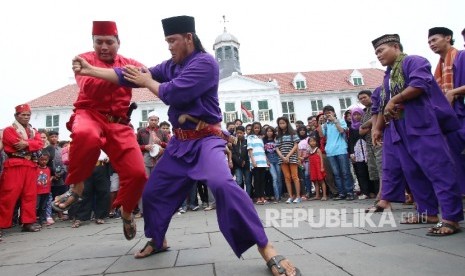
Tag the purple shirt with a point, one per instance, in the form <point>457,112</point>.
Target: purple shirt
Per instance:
<point>375,99</point>
<point>429,113</point>
<point>459,80</point>
<point>188,88</point>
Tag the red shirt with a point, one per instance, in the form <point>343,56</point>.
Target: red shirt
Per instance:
<point>101,95</point>
<point>43,180</point>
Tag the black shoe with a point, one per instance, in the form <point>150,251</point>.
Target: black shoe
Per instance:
<point>339,197</point>
<point>350,197</point>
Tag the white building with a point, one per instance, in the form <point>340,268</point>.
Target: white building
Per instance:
<point>295,95</point>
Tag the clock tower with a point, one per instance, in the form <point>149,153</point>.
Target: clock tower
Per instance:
<point>226,49</point>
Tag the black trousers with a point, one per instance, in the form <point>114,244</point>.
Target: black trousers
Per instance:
<point>42,200</point>
<point>259,174</point>
<point>96,195</point>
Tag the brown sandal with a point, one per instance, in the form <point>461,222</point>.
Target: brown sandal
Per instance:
<point>130,233</point>
<point>64,198</point>
<point>154,250</point>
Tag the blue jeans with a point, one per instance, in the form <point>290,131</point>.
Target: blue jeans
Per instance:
<point>276,175</point>
<point>342,175</point>
<point>244,174</point>
<point>193,200</point>
<point>307,181</point>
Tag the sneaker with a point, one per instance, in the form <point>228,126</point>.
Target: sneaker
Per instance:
<point>195,208</point>
<point>362,196</point>
<point>349,197</point>
<point>204,205</point>
<point>182,210</point>
<point>339,197</point>
<point>209,208</point>
<point>297,200</point>
<point>289,200</point>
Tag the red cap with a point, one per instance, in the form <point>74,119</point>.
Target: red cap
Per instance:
<point>104,28</point>
<point>23,108</point>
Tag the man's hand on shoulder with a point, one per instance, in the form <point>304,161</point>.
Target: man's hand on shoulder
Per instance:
<point>139,76</point>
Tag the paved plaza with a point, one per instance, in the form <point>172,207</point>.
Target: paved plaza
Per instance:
<point>344,245</point>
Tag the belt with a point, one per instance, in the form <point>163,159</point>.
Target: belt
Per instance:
<point>22,156</point>
<point>207,130</point>
<point>115,119</point>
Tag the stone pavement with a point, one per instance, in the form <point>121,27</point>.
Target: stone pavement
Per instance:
<point>198,248</point>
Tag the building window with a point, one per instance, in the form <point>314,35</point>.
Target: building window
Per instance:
<point>236,53</point>
<point>358,81</point>
<point>344,103</point>
<point>264,113</point>
<point>52,122</point>
<point>219,54</point>
<point>288,111</point>
<point>317,106</point>
<point>228,53</point>
<point>144,122</point>
<point>230,113</point>
<point>300,84</point>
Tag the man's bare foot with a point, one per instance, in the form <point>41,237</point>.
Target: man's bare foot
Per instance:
<point>149,249</point>
<point>444,228</point>
<point>379,206</point>
<point>65,200</point>
<point>269,254</point>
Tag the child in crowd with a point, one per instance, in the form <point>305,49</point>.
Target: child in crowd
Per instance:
<point>269,142</point>
<point>316,168</point>
<point>287,141</point>
<point>43,187</point>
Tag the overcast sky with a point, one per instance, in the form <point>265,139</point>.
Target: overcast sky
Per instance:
<point>39,38</point>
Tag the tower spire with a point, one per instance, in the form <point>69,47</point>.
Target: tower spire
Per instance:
<point>224,22</point>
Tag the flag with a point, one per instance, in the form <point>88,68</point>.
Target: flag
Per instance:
<point>246,112</point>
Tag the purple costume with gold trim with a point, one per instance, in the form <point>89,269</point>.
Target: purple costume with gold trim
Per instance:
<point>415,149</point>
<point>192,88</point>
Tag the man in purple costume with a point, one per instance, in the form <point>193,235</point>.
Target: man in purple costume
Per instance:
<point>188,83</point>
<point>450,75</point>
<point>414,146</point>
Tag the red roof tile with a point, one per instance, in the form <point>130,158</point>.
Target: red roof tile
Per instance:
<point>320,81</point>
<point>317,81</point>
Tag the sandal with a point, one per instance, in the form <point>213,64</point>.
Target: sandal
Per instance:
<point>376,209</point>
<point>76,224</point>
<point>435,230</point>
<point>31,227</point>
<point>276,261</point>
<point>153,252</point>
<point>100,221</point>
<point>130,233</point>
<point>64,198</point>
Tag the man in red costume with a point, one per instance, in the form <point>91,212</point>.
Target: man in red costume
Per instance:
<point>22,144</point>
<point>100,121</point>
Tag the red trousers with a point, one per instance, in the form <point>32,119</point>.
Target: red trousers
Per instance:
<point>90,132</point>
<point>18,181</point>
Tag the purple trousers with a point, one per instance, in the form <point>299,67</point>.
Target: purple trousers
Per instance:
<point>457,146</point>
<point>426,164</point>
<point>171,180</point>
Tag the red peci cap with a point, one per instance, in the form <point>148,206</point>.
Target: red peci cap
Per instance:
<point>104,28</point>
<point>22,108</point>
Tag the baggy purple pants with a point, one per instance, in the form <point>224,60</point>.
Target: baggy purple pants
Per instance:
<point>426,164</point>
<point>172,179</point>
